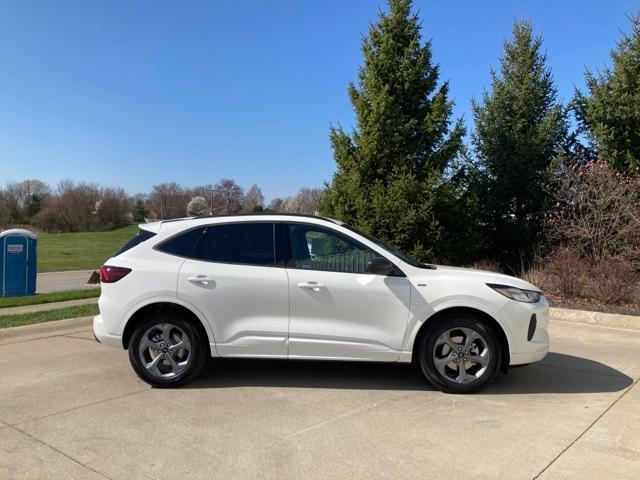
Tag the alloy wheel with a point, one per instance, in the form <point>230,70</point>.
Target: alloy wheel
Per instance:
<point>461,355</point>
<point>165,350</point>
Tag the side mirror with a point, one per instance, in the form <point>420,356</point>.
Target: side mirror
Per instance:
<point>380,266</point>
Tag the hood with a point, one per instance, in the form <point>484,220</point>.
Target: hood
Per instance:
<point>483,276</point>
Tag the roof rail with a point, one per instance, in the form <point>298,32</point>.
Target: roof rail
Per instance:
<point>287,214</point>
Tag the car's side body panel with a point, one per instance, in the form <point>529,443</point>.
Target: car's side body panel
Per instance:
<point>347,316</point>
<point>152,277</point>
<point>246,306</point>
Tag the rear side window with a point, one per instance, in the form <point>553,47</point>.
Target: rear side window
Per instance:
<point>141,236</point>
<point>183,244</point>
<point>241,243</point>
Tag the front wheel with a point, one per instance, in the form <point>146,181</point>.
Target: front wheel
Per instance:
<point>166,351</point>
<point>459,354</point>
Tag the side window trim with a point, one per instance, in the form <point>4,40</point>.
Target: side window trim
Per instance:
<point>283,254</point>
<point>289,261</point>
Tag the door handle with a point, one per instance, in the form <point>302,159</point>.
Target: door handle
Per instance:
<point>315,286</point>
<point>203,279</point>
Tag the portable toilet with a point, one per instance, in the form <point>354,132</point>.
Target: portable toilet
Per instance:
<point>18,262</point>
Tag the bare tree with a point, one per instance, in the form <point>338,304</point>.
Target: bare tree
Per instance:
<point>277,205</point>
<point>78,207</point>
<point>205,191</point>
<point>5,217</point>
<point>75,205</point>
<point>167,200</point>
<point>11,197</point>
<point>227,197</point>
<point>22,200</point>
<point>25,199</point>
<point>305,201</point>
<point>253,199</point>
<point>596,211</point>
<point>113,209</point>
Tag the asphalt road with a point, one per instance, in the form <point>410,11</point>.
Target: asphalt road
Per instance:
<point>71,408</point>
<point>57,281</point>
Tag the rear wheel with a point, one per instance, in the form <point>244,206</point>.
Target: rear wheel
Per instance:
<point>166,351</point>
<point>459,354</point>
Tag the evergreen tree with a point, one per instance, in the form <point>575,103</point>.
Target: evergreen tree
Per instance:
<point>611,112</point>
<point>520,128</point>
<point>390,166</point>
<point>140,211</point>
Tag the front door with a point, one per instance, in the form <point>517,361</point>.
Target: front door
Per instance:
<point>338,310</point>
<point>233,279</point>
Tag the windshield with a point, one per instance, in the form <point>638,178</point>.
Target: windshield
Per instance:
<point>394,251</point>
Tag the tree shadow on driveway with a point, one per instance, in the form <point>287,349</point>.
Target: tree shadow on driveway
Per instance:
<point>557,373</point>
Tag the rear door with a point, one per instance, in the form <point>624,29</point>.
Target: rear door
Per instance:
<point>338,310</point>
<point>233,278</point>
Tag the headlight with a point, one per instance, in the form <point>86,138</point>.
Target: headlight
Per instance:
<point>517,294</point>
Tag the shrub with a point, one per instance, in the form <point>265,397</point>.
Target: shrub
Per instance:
<point>613,280</point>
<point>488,265</point>
<point>48,220</point>
<point>567,273</point>
<point>540,278</point>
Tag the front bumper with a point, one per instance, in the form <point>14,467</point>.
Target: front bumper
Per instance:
<point>529,357</point>
<point>516,317</point>
<point>102,336</point>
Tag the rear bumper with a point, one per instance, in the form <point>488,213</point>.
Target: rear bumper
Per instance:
<point>102,336</point>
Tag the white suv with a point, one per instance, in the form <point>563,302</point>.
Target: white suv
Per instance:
<point>298,287</point>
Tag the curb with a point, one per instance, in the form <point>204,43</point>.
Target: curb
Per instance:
<point>616,320</point>
<point>68,271</point>
<point>46,329</point>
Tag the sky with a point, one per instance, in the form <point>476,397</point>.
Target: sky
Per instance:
<point>135,93</point>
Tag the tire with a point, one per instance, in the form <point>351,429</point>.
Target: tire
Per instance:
<point>465,340</point>
<point>164,334</point>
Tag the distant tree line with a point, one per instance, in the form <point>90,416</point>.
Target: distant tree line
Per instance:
<point>80,206</point>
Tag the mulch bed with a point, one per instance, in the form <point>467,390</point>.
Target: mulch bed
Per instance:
<point>592,305</point>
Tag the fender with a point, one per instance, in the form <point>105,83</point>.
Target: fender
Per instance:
<point>178,301</point>
<point>422,315</point>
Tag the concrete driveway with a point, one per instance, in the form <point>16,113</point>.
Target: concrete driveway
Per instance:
<point>71,408</point>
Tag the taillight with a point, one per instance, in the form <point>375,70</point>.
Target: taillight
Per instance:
<point>110,274</point>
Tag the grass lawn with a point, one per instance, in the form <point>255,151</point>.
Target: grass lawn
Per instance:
<point>58,252</point>
<point>49,298</point>
<point>48,316</point>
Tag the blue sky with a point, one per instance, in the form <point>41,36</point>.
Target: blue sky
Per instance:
<point>136,93</point>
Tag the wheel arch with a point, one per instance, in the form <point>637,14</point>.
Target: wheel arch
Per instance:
<point>164,306</point>
<point>484,316</point>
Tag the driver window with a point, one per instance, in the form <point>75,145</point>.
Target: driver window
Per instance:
<point>317,248</point>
